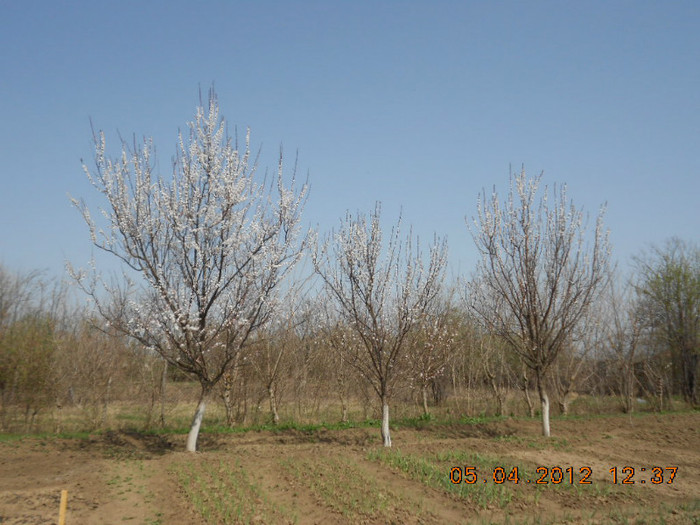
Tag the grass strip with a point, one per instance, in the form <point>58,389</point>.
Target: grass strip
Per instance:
<point>432,472</point>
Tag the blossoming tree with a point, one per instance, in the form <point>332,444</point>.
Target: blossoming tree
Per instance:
<point>538,276</point>
<point>209,245</point>
<point>381,292</point>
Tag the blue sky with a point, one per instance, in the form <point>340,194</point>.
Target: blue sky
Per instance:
<point>417,104</point>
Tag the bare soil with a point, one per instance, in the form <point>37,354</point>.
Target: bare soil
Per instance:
<point>122,477</point>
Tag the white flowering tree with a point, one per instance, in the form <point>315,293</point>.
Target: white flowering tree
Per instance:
<point>538,276</point>
<point>381,292</point>
<point>209,245</point>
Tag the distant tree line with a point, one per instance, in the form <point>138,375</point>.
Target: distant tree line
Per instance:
<point>61,369</point>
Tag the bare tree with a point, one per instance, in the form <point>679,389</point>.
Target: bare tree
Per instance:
<point>304,371</point>
<point>283,352</point>
<point>269,355</point>
<point>465,368</point>
<point>572,367</point>
<point>16,293</point>
<point>27,349</point>
<point>669,295</point>
<point>33,313</point>
<point>497,369</point>
<point>624,338</point>
<point>92,370</point>
<point>568,371</point>
<point>209,243</point>
<point>537,276</point>
<point>381,292</point>
<point>525,386</point>
<point>267,358</point>
<point>344,345</point>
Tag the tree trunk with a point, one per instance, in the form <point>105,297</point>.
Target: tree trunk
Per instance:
<point>29,415</point>
<point>544,401</point>
<point>228,380</point>
<point>565,398</point>
<point>530,405</point>
<point>564,406</point>
<point>628,389</point>
<point>424,393</point>
<point>526,390</point>
<point>690,365</point>
<point>469,397</point>
<point>163,382</point>
<point>273,405</point>
<point>299,393</point>
<point>197,421</point>
<point>386,435</point>
<point>243,418</point>
<point>498,394</point>
<point>343,408</point>
<point>228,406</point>
<point>59,418</point>
<point>229,383</point>
<point>105,402</point>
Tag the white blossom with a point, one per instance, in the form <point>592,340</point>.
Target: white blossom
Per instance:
<point>210,243</point>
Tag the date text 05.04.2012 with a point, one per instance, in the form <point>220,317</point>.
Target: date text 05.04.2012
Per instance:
<point>555,475</point>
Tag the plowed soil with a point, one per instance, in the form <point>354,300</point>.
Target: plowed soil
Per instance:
<point>121,477</point>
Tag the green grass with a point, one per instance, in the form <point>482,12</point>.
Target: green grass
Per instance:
<point>434,471</point>
<point>180,425</point>
<point>496,481</point>
<point>307,428</point>
<point>223,493</point>
<point>345,488</point>
<point>310,428</point>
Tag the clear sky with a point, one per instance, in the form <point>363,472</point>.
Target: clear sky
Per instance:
<point>420,105</point>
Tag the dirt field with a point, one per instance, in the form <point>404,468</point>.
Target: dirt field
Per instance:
<point>345,476</point>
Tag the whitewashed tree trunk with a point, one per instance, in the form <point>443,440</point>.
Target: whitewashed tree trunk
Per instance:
<point>196,423</point>
<point>545,413</point>
<point>544,401</point>
<point>386,435</point>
